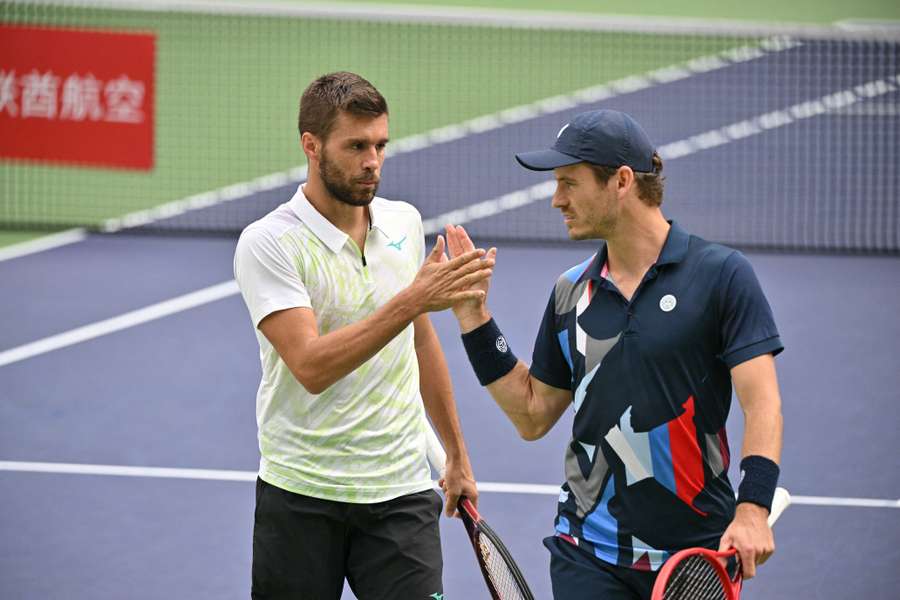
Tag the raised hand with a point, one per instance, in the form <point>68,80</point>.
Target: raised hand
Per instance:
<point>470,313</point>
<point>442,282</point>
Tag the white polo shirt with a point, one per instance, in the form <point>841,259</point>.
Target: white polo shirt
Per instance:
<point>362,439</point>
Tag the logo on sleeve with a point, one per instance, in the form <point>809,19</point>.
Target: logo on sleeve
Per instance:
<point>667,303</point>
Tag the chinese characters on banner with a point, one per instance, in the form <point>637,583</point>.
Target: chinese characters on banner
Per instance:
<point>81,97</point>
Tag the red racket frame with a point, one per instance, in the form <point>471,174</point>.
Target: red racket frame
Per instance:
<point>731,587</point>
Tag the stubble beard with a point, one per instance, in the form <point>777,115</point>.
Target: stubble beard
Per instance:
<point>339,186</point>
<point>600,227</point>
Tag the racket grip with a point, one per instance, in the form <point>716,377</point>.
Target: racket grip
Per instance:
<point>436,455</point>
<point>780,501</point>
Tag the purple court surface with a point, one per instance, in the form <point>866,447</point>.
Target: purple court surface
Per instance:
<point>128,373</point>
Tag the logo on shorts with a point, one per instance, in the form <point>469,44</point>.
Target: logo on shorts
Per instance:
<point>437,596</point>
<point>667,303</point>
<point>502,346</point>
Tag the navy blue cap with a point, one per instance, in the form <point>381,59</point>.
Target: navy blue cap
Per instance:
<point>601,137</point>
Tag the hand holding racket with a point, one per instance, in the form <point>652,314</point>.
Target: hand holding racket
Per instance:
<point>501,574</point>
<point>700,573</point>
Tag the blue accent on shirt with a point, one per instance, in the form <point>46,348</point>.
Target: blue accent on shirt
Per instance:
<point>564,346</point>
<point>601,529</point>
<point>661,452</point>
<point>575,272</point>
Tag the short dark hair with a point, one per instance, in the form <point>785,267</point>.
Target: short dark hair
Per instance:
<point>325,97</point>
<point>650,185</point>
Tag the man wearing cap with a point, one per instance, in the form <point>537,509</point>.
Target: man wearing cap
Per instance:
<point>644,339</point>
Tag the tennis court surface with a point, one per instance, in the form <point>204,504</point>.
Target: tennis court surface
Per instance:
<point>128,367</point>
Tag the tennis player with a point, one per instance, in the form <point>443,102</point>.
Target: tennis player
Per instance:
<point>644,340</point>
<point>338,289</point>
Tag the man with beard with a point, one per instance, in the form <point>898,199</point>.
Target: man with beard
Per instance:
<point>644,340</point>
<point>338,289</point>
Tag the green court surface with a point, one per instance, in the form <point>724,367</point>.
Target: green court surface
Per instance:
<point>16,237</point>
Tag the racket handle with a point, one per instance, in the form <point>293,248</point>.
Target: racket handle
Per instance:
<point>436,455</point>
<point>780,501</point>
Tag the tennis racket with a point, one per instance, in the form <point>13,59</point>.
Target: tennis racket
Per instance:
<point>501,574</point>
<point>699,573</point>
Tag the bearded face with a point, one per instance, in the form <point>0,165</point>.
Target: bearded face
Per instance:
<point>355,189</point>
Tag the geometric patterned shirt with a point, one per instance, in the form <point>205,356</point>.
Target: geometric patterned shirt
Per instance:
<point>647,466</point>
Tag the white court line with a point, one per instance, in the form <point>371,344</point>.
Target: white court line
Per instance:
<point>130,319</point>
<point>40,244</point>
<point>231,475</point>
<point>121,471</point>
<point>835,103</point>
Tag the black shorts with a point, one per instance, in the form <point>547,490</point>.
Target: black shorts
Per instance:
<point>304,548</point>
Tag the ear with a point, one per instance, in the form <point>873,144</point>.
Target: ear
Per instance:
<point>311,146</point>
<point>624,179</point>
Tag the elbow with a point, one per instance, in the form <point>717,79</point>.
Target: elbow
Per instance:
<point>531,431</point>
<point>313,388</point>
<point>311,381</point>
<point>534,421</point>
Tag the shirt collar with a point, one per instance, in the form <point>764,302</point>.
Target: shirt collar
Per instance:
<point>376,216</point>
<point>596,268</point>
<point>673,251</point>
<point>676,246</point>
<point>324,229</point>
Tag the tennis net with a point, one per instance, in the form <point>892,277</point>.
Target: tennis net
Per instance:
<point>772,137</point>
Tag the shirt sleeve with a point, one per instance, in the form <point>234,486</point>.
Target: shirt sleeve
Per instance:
<point>266,276</point>
<point>747,325</point>
<point>548,361</point>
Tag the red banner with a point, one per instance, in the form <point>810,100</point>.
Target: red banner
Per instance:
<point>80,97</point>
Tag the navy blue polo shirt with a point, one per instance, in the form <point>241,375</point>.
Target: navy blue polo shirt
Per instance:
<point>647,467</point>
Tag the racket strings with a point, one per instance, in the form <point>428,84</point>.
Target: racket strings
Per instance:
<point>498,571</point>
<point>695,579</point>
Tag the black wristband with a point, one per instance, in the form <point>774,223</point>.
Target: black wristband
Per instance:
<point>489,353</point>
<point>759,477</point>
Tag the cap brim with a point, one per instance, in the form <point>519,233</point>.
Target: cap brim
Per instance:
<point>545,160</point>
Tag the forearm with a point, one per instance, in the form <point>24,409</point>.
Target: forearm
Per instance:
<point>437,394</point>
<point>748,532</point>
<point>327,358</point>
<point>532,406</point>
<point>436,387</point>
<point>514,394</point>
<point>756,385</point>
<point>763,427</point>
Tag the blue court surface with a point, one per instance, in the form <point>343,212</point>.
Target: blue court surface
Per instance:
<point>128,373</point>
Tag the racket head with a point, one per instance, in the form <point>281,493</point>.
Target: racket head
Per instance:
<point>502,575</point>
<point>698,574</point>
